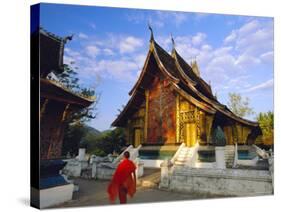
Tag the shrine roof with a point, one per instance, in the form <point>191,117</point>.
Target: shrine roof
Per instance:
<point>201,85</point>
<point>56,91</point>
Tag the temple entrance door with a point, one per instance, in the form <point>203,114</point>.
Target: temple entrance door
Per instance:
<point>137,137</point>
<point>190,134</point>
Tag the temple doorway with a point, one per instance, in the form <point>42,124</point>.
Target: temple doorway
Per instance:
<point>190,134</point>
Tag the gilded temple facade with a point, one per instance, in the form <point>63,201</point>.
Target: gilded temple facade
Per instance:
<point>171,104</point>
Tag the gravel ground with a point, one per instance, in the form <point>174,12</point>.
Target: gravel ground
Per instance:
<point>93,193</point>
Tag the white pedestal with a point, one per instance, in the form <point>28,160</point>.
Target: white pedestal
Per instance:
<point>220,158</point>
<point>55,195</point>
<point>165,172</point>
<point>81,154</point>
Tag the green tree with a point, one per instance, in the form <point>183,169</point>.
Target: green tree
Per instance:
<point>75,129</point>
<point>266,122</point>
<point>70,80</point>
<point>72,138</point>
<point>239,105</point>
<point>106,143</point>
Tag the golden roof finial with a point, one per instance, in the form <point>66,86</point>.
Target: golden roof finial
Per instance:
<point>173,41</point>
<point>151,31</point>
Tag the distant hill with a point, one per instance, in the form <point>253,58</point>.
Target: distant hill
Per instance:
<point>106,131</point>
<point>92,130</point>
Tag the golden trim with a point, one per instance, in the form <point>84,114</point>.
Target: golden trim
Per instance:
<point>177,118</point>
<point>146,115</point>
<point>65,112</point>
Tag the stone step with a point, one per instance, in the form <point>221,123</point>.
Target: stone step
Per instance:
<point>150,179</point>
<point>179,163</point>
<point>182,159</point>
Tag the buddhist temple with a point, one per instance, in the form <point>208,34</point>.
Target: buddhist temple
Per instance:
<point>171,104</point>
<point>57,102</point>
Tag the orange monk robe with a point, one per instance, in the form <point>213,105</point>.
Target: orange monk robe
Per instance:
<point>122,177</point>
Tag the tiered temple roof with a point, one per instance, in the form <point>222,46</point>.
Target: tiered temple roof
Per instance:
<point>51,60</point>
<point>183,79</point>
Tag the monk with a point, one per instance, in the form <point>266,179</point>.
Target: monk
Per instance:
<point>123,181</point>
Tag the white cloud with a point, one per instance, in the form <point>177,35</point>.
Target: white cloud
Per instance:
<point>108,51</point>
<point>68,60</point>
<point>267,57</point>
<point>158,19</point>
<point>241,51</point>
<point>263,86</point>
<point>139,60</point>
<point>206,47</point>
<point>230,37</point>
<point>83,36</point>
<point>254,38</point>
<point>92,50</point>
<point>122,70</point>
<point>71,52</point>
<point>115,57</point>
<point>245,60</point>
<point>248,27</point>
<point>130,44</point>
<point>198,39</point>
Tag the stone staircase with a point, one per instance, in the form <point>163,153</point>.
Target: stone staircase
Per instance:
<point>185,156</point>
<point>150,178</point>
<point>229,155</point>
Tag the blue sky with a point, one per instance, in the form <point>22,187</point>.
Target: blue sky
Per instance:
<point>234,53</point>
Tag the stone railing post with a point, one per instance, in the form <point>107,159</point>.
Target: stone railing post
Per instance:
<point>220,157</point>
<point>271,168</point>
<point>94,170</point>
<point>165,174</point>
<point>139,170</point>
<point>235,162</point>
<point>81,154</point>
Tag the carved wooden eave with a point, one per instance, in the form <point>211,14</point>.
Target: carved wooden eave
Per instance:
<point>222,108</point>
<point>53,90</point>
<point>153,51</point>
<point>205,107</point>
<point>186,68</point>
<point>129,105</point>
<point>183,75</point>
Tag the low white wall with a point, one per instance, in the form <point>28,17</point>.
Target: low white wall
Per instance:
<point>234,182</point>
<point>151,163</point>
<point>104,173</point>
<point>205,165</point>
<point>252,162</point>
<point>55,195</point>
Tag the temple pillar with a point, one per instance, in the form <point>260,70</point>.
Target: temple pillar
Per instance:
<point>245,132</point>
<point>202,125</point>
<point>209,123</point>
<point>234,133</point>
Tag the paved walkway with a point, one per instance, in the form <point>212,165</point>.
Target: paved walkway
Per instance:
<point>93,193</point>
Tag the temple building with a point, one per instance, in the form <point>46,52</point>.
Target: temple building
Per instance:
<point>171,104</point>
<point>57,102</point>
